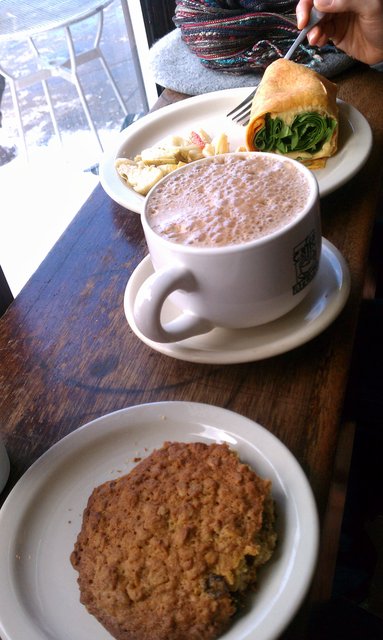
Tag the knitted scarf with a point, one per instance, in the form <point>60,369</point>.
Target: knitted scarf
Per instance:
<point>241,35</point>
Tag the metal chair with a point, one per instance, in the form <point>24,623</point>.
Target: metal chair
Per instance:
<point>18,23</point>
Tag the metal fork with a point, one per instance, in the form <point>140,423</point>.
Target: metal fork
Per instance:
<point>241,113</point>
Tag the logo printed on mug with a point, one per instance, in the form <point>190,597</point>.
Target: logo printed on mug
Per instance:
<point>306,262</point>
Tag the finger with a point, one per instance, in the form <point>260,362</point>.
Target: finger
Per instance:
<point>314,35</point>
<point>302,10</point>
<point>322,40</point>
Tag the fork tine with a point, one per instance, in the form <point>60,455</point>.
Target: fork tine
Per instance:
<point>243,114</point>
<point>245,111</point>
<point>244,103</point>
<point>244,119</point>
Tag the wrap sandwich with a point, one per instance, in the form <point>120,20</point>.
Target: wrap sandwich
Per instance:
<point>294,112</point>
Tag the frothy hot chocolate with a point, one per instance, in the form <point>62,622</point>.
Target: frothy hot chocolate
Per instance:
<point>229,200</point>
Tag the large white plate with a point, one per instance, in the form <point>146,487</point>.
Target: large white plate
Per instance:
<point>313,315</point>
<point>208,111</point>
<point>39,522</point>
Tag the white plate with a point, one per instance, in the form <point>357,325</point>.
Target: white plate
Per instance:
<point>39,522</point>
<point>208,111</point>
<point>228,346</point>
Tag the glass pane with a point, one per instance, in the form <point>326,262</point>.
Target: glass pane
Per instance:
<point>41,194</point>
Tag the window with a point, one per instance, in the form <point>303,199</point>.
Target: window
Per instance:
<point>41,193</point>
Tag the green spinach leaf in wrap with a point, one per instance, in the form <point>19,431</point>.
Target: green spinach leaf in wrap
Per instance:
<point>308,132</point>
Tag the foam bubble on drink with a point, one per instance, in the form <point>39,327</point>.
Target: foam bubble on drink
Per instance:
<point>229,200</point>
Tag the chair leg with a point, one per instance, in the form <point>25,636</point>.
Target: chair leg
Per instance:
<point>98,53</point>
<point>51,109</point>
<point>77,83</point>
<point>16,106</point>
<point>85,107</point>
<point>44,83</point>
<point>112,82</point>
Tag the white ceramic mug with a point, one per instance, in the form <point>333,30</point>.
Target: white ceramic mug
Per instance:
<point>234,285</point>
<point>4,465</point>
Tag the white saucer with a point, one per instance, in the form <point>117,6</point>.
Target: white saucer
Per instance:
<point>228,346</point>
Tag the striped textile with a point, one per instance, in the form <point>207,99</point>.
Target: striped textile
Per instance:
<point>241,35</point>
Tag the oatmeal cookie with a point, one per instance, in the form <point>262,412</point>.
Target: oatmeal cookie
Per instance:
<point>166,551</point>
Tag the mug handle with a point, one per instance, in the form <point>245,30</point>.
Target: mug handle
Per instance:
<point>149,302</point>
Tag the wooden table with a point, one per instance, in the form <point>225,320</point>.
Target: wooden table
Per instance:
<point>69,356</point>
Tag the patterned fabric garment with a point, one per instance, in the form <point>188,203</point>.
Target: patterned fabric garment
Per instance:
<point>241,35</point>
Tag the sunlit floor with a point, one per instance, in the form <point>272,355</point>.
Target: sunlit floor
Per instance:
<point>40,196</point>
<point>39,199</point>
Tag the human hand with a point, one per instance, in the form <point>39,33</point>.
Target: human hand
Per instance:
<point>354,26</point>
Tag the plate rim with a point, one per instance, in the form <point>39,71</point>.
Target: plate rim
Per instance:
<point>112,184</point>
<point>206,412</point>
